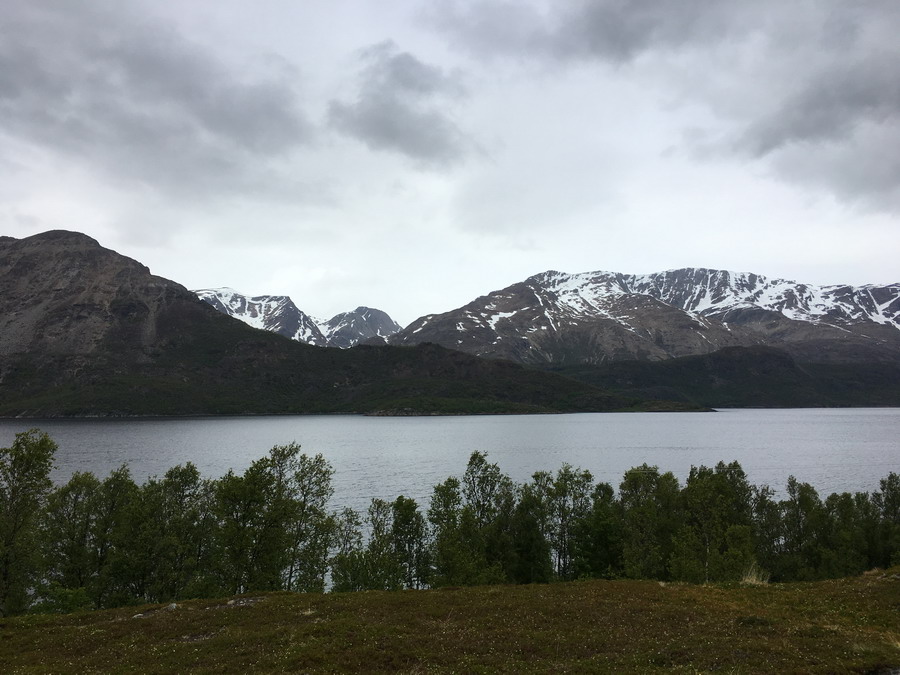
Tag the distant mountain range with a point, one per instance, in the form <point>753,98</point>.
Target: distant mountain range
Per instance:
<point>279,314</point>
<point>86,331</point>
<point>599,317</point>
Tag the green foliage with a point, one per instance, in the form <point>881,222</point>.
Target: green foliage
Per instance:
<point>274,531</point>
<point>599,536</point>
<point>24,484</point>
<point>714,543</point>
<point>531,561</point>
<point>92,543</point>
<point>457,547</point>
<point>746,377</point>
<point>222,367</point>
<point>409,541</point>
<point>568,505</point>
<point>652,515</point>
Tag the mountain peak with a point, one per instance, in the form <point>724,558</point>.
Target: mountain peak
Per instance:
<point>279,314</point>
<point>62,235</point>
<point>591,317</point>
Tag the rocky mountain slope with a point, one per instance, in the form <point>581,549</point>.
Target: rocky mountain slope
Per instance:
<point>598,317</point>
<point>363,323</point>
<point>279,314</point>
<point>86,331</point>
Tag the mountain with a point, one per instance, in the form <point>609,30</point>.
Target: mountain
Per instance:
<point>597,317</point>
<point>279,314</point>
<point>363,323</point>
<point>87,331</point>
<point>276,313</point>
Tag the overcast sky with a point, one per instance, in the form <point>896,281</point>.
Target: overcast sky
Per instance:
<point>411,156</point>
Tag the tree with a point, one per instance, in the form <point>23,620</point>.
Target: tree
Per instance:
<point>408,538</point>
<point>112,505</point>
<point>531,561</point>
<point>568,504</point>
<point>484,488</point>
<point>69,526</point>
<point>715,502</point>
<point>24,485</point>
<point>844,545</point>
<point>651,516</point>
<point>768,530</point>
<point>348,561</point>
<point>384,569</point>
<point>165,553</point>
<point>308,486</point>
<point>253,537</point>
<point>802,517</point>
<point>457,552</point>
<point>887,501</point>
<point>598,537</point>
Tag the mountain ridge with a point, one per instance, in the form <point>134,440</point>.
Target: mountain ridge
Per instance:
<point>279,314</point>
<point>594,317</point>
<point>85,331</point>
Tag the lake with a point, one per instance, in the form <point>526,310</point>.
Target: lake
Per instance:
<point>835,450</point>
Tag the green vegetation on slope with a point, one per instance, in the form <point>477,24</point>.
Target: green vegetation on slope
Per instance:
<point>845,626</point>
<point>234,369</point>
<point>745,377</point>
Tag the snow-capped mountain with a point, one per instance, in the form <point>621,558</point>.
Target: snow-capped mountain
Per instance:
<point>363,323</point>
<point>719,293</point>
<point>597,316</point>
<point>279,314</point>
<point>276,313</point>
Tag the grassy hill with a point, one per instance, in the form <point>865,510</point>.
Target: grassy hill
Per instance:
<point>849,625</point>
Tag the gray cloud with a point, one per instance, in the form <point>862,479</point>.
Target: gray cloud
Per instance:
<point>806,87</point>
<point>138,101</point>
<point>402,107</point>
<point>615,30</point>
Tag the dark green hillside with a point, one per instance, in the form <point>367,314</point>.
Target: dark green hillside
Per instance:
<point>747,377</point>
<point>86,331</point>
<point>224,367</point>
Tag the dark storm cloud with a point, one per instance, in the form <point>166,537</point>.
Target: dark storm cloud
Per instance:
<point>818,80</point>
<point>830,104</point>
<point>401,107</point>
<point>137,100</point>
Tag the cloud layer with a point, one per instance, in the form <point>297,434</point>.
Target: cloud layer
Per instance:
<point>140,102</point>
<point>812,87</point>
<point>411,156</point>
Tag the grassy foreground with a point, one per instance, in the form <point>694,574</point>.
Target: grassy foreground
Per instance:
<point>848,625</point>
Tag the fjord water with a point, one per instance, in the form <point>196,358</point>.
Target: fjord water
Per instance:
<point>835,450</point>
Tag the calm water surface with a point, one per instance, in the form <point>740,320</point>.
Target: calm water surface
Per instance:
<point>835,450</point>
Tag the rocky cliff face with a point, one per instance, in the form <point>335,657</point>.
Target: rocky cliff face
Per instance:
<point>600,316</point>
<point>62,293</point>
<point>279,314</point>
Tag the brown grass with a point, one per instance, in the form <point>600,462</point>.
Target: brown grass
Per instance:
<point>850,625</point>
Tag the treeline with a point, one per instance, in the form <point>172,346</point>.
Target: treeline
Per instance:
<point>95,543</point>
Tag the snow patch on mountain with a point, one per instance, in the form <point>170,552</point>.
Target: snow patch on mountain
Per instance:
<point>279,314</point>
<point>594,316</point>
